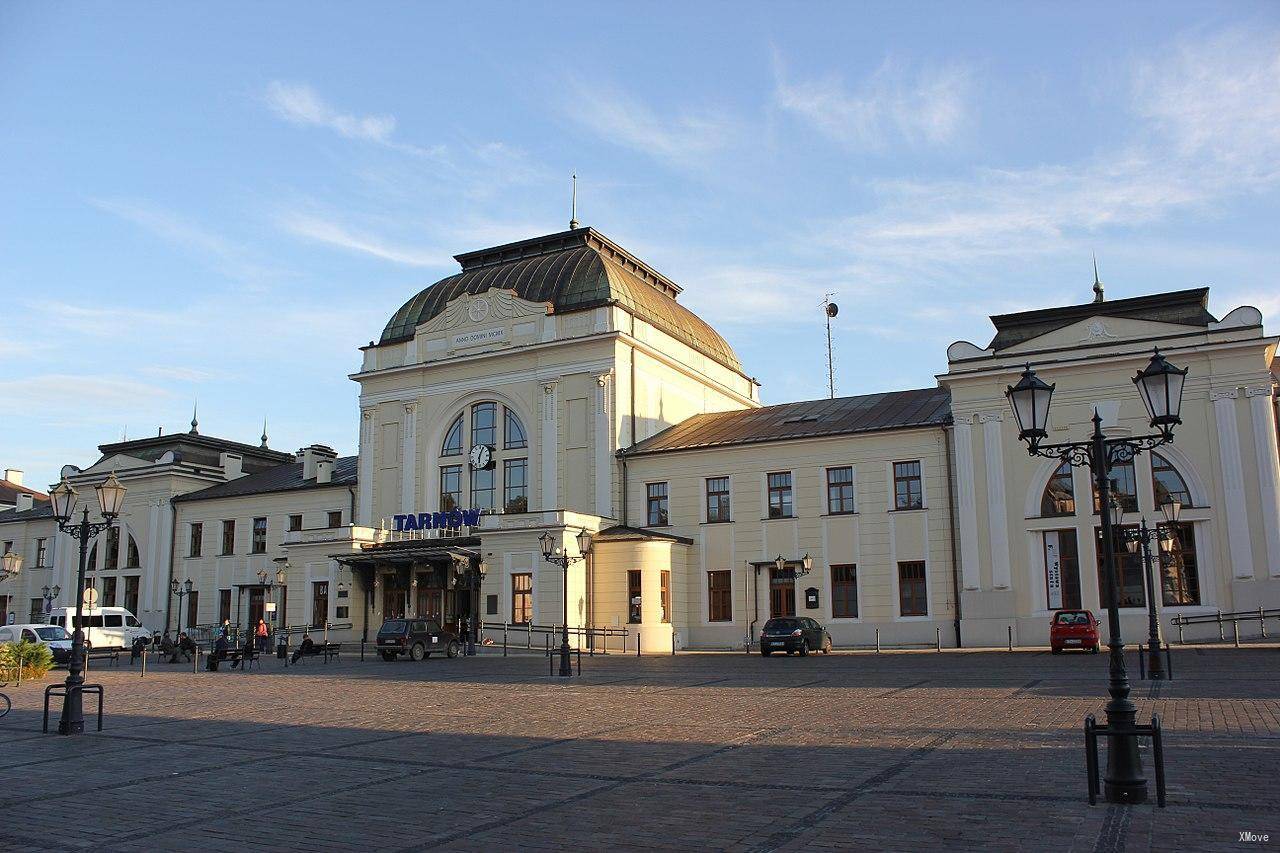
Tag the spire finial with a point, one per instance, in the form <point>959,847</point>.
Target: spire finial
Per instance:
<point>264,433</point>
<point>195,423</point>
<point>1098,295</point>
<point>573,207</point>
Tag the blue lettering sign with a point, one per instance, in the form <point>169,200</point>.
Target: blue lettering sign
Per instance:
<point>440,520</point>
<point>410,523</point>
<point>399,521</point>
<point>424,521</point>
<point>471,517</point>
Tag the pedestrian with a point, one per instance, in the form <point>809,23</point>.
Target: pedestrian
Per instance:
<point>262,636</point>
<point>139,646</point>
<point>306,647</point>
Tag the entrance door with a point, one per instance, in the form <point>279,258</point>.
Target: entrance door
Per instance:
<point>256,609</point>
<point>393,600</point>
<point>782,593</point>
<point>429,603</point>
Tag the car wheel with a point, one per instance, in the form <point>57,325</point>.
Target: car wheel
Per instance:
<point>453,649</point>
<point>826,646</point>
<point>804,648</point>
<point>1095,649</point>
<point>388,656</point>
<point>765,653</point>
<point>417,652</point>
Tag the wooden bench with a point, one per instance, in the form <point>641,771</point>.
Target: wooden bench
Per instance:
<point>112,655</point>
<point>240,655</point>
<point>329,650</point>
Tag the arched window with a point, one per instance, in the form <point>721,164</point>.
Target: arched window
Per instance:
<point>513,432</point>
<point>1124,486</point>
<point>133,560</point>
<point>93,557</point>
<point>1167,483</point>
<point>1059,494</point>
<point>484,424</point>
<point>113,549</point>
<point>453,439</point>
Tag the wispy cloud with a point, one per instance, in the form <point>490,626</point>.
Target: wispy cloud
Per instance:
<point>301,104</point>
<point>332,233</point>
<point>98,398</point>
<point>897,103</point>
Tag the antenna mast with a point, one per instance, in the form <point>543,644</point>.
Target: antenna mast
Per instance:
<point>573,207</point>
<point>830,309</point>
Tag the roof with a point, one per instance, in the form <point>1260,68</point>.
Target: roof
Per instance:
<point>281,478</point>
<point>196,449</point>
<point>574,270</point>
<point>38,511</point>
<point>619,533</point>
<point>809,419</point>
<point>9,492</point>
<point>1184,307</point>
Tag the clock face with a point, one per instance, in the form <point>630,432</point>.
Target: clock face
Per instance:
<point>481,455</point>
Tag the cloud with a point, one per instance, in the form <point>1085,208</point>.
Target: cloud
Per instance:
<point>335,234</point>
<point>99,398</point>
<point>300,104</point>
<point>924,106</point>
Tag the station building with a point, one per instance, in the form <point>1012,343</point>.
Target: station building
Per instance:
<point>557,384</point>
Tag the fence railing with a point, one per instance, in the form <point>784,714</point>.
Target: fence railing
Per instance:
<point>1233,618</point>
<point>596,639</point>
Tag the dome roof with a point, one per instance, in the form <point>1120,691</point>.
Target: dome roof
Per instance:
<point>574,271</point>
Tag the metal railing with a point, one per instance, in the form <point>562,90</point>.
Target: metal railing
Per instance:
<point>1234,618</point>
<point>520,636</point>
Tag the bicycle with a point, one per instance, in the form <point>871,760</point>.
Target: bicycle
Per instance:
<point>5,704</point>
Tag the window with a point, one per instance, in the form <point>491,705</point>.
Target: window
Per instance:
<point>295,522</point>
<point>656,499</point>
<point>717,499</point>
<point>193,608</point>
<point>484,424</point>
<point>1124,485</point>
<point>37,610</point>
<point>195,533</point>
<point>132,559</point>
<point>131,594</point>
<point>450,487</point>
<point>513,437</point>
<point>1180,579</point>
<point>228,537</point>
<point>93,557</point>
<point>8,546</point>
<point>522,598</point>
<point>840,490</point>
<point>113,549</point>
<point>515,484</point>
<point>1059,496</point>
<point>319,603</point>
<point>633,596</point>
<point>453,439</point>
<point>224,605</point>
<point>907,492</point>
<point>1061,570</point>
<point>259,542</point>
<point>491,605</point>
<point>844,591</point>
<point>335,518</point>
<point>1130,586</point>
<point>913,595</point>
<point>780,495</point>
<point>720,596</point>
<point>664,594</point>
<point>109,592</point>
<point>482,488</point>
<point>1167,482</point>
<point>42,551</point>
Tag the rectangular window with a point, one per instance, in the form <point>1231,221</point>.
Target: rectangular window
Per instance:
<point>907,492</point>
<point>112,559</point>
<point>108,592</point>
<point>484,424</point>
<point>37,610</point>
<point>1124,486</point>
<point>720,596</point>
<point>335,518</point>
<point>1180,578</point>
<point>840,490</point>
<point>515,485</point>
<point>491,605</point>
<point>259,545</point>
<point>8,546</point>
<point>913,591</point>
<point>195,533</point>
<point>656,500</point>
<point>633,596</point>
<point>482,488</point>
<point>450,487</point>
<point>42,551</point>
<point>522,598</point>
<point>1061,570</point>
<point>664,594</point>
<point>131,594</point>
<point>224,605</point>
<point>319,603</point>
<point>844,591</point>
<point>295,522</point>
<point>780,495</point>
<point>228,537</point>
<point>193,608</point>
<point>717,499</point>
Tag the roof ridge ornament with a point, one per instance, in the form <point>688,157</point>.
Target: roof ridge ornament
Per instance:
<point>195,423</point>
<point>1098,294</point>
<point>573,205</point>
<point>264,434</point>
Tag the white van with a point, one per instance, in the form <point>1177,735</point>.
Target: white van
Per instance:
<point>53,636</point>
<point>104,627</point>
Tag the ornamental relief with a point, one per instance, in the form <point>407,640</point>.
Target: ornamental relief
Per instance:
<point>493,307</point>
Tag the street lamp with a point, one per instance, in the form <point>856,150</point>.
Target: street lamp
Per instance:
<point>1160,386</point>
<point>476,583</point>
<point>1139,540</point>
<point>10,564</point>
<point>62,499</point>
<point>182,590</point>
<point>552,553</point>
<point>50,596</point>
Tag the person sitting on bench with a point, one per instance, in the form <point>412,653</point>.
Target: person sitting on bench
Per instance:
<point>186,646</point>
<point>246,653</point>
<point>306,647</point>
<point>168,649</point>
<point>219,650</point>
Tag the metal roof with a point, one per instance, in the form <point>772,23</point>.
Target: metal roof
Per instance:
<point>1184,307</point>
<point>809,419</point>
<point>574,271</point>
<point>282,478</point>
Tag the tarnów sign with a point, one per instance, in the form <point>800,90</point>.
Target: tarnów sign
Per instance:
<point>448,520</point>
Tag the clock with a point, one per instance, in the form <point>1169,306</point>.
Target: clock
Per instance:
<point>481,456</point>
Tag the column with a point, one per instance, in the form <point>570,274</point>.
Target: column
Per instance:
<point>997,511</point>
<point>1264,441</point>
<point>155,563</point>
<point>604,445</point>
<point>409,459</point>
<point>971,576</point>
<point>1235,510</point>
<point>365,477</point>
<point>550,446</point>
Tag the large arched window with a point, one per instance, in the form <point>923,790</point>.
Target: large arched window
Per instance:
<point>132,559</point>
<point>1059,494</point>
<point>453,439</point>
<point>1167,483</point>
<point>494,477</point>
<point>1124,486</point>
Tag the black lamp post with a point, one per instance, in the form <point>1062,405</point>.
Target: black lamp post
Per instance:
<point>50,596</point>
<point>10,565</point>
<point>1160,385</point>
<point>182,590</point>
<point>1140,538</point>
<point>62,498</point>
<point>477,575</point>
<point>552,553</point>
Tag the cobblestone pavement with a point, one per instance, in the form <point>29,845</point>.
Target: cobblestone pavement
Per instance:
<point>902,751</point>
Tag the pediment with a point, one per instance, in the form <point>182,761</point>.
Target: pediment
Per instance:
<point>482,310</point>
<point>1098,330</point>
<point>116,462</point>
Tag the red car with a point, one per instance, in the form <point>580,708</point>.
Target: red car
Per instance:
<point>1073,629</point>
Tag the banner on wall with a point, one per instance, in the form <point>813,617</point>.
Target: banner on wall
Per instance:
<point>1052,570</point>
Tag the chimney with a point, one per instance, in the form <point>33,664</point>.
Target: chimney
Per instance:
<point>311,457</point>
<point>13,475</point>
<point>232,465</point>
<point>25,500</point>
<point>324,470</point>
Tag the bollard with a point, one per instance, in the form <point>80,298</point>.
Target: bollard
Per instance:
<point>637,642</point>
<point>528,627</point>
<point>504,639</point>
<point>877,641</point>
<point>1262,622</point>
<point>1181,641</point>
<point>1235,630</point>
<point>1142,663</point>
<point>1010,638</point>
<point>673,643</point>
<point>144,664</point>
<point>1168,662</point>
<point>1220,636</point>
<point>939,638</point>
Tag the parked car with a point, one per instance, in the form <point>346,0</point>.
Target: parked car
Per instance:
<point>104,627</point>
<point>58,640</point>
<point>417,638</point>
<point>1073,629</point>
<point>794,634</point>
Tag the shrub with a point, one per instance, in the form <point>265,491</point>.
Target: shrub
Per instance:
<point>36,659</point>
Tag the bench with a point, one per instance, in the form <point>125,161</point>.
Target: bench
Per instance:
<point>112,655</point>
<point>324,650</point>
<point>247,657</point>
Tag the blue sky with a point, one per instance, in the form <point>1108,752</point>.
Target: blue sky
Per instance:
<point>224,204</point>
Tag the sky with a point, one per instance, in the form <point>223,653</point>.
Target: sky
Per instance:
<point>220,203</point>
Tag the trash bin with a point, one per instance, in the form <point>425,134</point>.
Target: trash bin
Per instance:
<point>282,648</point>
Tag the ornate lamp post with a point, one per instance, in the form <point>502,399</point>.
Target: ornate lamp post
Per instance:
<point>63,500</point>
<point>473,628</point>
<point>1160,385</point>
<point>552,553</point>
<point>1140,539</point>
<point>50,596</point>
<point>182,590</point>
<point>10,565</point>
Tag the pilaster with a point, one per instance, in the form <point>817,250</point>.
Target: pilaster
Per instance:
<point>550,445</point>
<point>409,458</point>
<point>365,502</point>
<point>997,508</point>
<point>1262,411</point>
<point>1237,511</point>
<point>970,573</point>
<point>604,444</point>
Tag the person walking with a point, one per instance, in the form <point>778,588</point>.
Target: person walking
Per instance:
<point>262,636</point>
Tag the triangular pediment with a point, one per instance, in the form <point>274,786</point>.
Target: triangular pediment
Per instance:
<point>1098,330</point>
<point>116,462</point>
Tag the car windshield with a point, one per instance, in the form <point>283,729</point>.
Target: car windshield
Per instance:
<point>395,626</point>
<point>53,632</point>
<point>1073,619</point>
<point>782,624</point>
